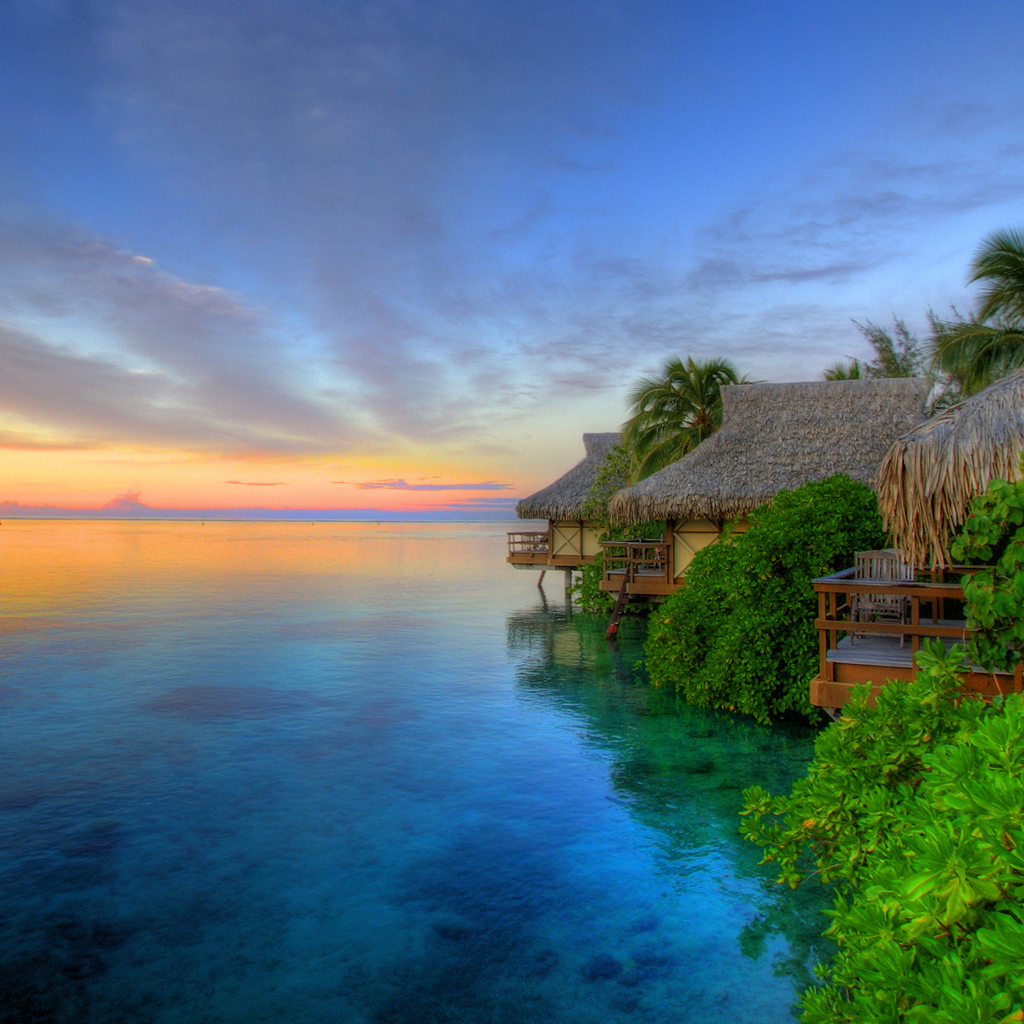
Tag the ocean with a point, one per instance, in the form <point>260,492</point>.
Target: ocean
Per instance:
<point>346,772</point>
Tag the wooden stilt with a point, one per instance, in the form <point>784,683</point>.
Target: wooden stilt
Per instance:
<point>541,580</point>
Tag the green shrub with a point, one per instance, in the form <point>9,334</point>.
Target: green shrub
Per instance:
<point>936,933</point>
<point>994,534</point>
<point>915,808</point>
<point>864,766</point>
<point>586,590</point>
<point>740,635</point>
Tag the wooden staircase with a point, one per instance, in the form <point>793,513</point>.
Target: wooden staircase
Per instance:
<point>620,606</point>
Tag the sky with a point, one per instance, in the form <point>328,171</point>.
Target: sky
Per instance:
<point>401,255</point>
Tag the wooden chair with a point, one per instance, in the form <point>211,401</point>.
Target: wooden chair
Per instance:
<point>889,565</point>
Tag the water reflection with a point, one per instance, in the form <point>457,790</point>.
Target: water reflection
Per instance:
<point>291,772</point>
<point>680,770</point>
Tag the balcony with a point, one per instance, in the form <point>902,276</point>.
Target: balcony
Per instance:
<point>529,549</point>
<point>869,630</point>
<point>645,565</point>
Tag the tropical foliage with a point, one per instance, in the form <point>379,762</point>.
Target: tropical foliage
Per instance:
<point>914,805</point>
<point>917,806</point>
<point>672,413</point>
<point>897,354</point>
<point>740,635</point>
<point>900,353</point>
<point>864,765</point>
<point>987,345</point>
<point>994,535</point>
<point>611,477</point>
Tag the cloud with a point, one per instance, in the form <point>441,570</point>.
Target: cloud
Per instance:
<point>401,485</point>
<point>460,211</point>
<point>848,215</point>
<point>494,507</point>
<point>256,483</point>
<point>126,503</point>
<point>13,440</point>
<point>374,157</point>
<point>120,350</point>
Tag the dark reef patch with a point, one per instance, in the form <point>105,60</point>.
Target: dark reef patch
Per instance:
<point>604,965</point>
<point>200,702</point>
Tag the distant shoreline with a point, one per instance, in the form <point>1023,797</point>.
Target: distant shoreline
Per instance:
<point>221,518</point>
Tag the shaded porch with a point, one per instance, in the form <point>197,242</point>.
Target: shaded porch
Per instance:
<point>644,566</point>
<point>565,544</point>
<point>529,548</point>
<point>869,630</point>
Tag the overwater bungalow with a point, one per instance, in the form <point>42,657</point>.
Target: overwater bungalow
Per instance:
<point>873,615</point>
<point>773,437</point>
<point>570,539</point>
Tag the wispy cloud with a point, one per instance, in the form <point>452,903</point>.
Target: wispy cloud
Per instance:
<point>850,214</point>
<point>401,485</point>
<point>408,131</point>
<point>119,349</point>
<point>127,503</point>
<point>18,440</point>
<point>503,507</point>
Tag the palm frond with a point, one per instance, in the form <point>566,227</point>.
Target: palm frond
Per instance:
<point>850,370</point>
<point>1000,262</point>
<point>672,412</point>
<point>975,353</point>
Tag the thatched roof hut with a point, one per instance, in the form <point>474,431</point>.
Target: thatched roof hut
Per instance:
<point>776,437</point>
<point>565,497</point>
<point>927,480</point>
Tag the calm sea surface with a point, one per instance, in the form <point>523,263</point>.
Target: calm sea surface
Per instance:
<point>353,773</point>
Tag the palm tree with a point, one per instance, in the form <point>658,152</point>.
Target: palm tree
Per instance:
<point>897,354</point>
<point>988,345</point>
<point>844,371</point>
<point>674,412</point>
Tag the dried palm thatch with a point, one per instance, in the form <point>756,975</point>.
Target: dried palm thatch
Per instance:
<point>776,437</point>
<point>564,498</point>
<point>927,480</point>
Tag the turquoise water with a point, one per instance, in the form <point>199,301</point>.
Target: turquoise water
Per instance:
<point>356,773</point>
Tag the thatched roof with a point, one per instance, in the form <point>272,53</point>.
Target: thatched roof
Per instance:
<point>776,437</point>
<point>565,497</point>
<point>930,475</point>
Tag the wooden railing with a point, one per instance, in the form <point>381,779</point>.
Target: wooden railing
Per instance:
<point>531,543</point>
<point>929,606</point>
<point>647,559</point>
<point>929,603</point>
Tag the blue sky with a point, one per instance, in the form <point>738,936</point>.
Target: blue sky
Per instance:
<point>309,242</point>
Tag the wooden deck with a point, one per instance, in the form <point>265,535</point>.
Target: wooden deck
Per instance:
<point>646,564</point>
<point>529,549</point>
<point>554,548</point>
<point>854,651</point>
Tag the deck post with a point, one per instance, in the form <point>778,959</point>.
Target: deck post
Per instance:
<point>822,637</point>
<point>915,640</point>
<point>670,550</point>
<point>833,634</point>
